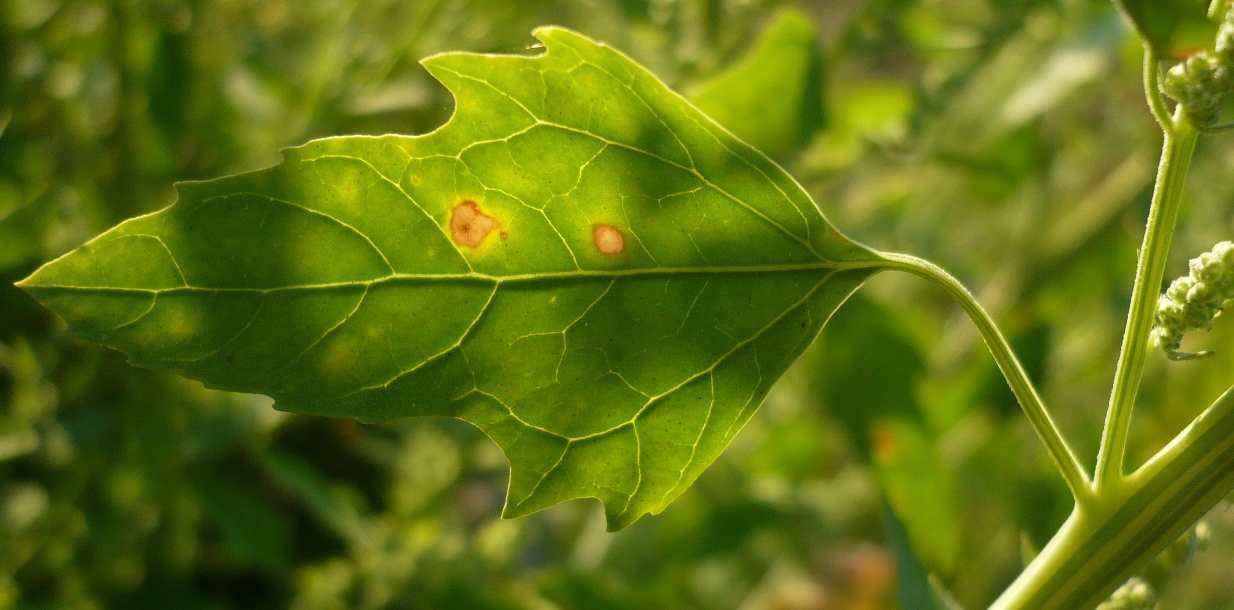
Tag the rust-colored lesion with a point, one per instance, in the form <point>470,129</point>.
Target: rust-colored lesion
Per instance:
<point>609,239</point>
<point>469,225</point>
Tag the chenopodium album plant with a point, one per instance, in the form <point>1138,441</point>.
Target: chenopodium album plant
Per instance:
<point>607,282</point>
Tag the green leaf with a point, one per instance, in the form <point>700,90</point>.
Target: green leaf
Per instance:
<point>867,372</point>
<point>579,263</point>
<point>1171,27</point>
<point>915,593</point>
<point>312,489</point>
<point>252,528</point>
<point>943,598</point>
<point>22,233</point>
<point>772,97</point>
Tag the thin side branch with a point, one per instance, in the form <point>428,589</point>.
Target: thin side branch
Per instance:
<point>1030,401</point>
<point>1150,271</point>
<point>1152,90</point>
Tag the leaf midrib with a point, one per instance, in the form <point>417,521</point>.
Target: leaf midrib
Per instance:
<point>486,278</point>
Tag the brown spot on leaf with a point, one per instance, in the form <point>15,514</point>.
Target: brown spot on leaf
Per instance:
<point>609,239</point>
<point>415,180</point>
<point>504,235</point>
<point>469,226</point>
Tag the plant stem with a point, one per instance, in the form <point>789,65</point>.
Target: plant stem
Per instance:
<point>1150,270</point>
<point>1106,542</point>
<point>1011,368</point>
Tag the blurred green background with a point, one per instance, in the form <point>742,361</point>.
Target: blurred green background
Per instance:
<point>1007,140</point>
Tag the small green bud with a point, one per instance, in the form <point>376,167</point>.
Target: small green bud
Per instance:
<point>1200,82</point>
<point>1184,549</point>
<point>1135,594</point>
<point>1177,292</point>
<point>1139,593</point>
<point>1203,535</point>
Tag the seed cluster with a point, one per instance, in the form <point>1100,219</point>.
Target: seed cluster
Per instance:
<point>1193,301</point>
<point>1185,547</point>
<point>1200,82</point>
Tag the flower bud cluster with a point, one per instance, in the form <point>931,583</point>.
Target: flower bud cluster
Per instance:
<point>1135,594</point>
<point>1193,301</point>
<point>1185,548</point>
<point>1138,593</point>
<point>1200,82</point>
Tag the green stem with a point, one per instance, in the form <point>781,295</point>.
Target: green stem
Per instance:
<point>1150,270</point>
<point>1106,542</point>
<point>1020,384</point>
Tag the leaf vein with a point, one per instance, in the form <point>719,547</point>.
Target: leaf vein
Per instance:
<point>316,342</point>
<point>462,337</point>
<point>701,178</point>
<point>757,334</point>
<point>313,212</point>
<point>760,170</point>
<point>692,170</point>
<point>261,304</point>
<point>410,200</point>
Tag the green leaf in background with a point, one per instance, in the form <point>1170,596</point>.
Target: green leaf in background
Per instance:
<point>250,526</point>
<point>915,593</point>
<point>871,392</point>
<point>22,231</point>
<point>772,97</point>
<point>580,263</point>
<point>1173,28</point>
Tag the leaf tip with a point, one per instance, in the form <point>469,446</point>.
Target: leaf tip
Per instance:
<point>554,36</point>
<point>513,509</point>
<point>35,280</point>
<point>547,33</point>
<point>615,522</point>
<point>617,515</point>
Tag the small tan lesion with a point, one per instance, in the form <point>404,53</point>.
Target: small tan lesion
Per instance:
<point>469,225</point>
<point>609,239</point>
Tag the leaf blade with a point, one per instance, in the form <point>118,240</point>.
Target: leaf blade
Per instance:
<point>492,270</point>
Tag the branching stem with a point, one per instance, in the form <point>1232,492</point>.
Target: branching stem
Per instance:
<point>1150,270</point>
<point>1011,368</point>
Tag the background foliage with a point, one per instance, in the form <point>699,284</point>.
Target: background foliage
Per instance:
<point>1005,139</point>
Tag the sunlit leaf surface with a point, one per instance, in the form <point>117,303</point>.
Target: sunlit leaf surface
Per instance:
<point>579,263</point>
